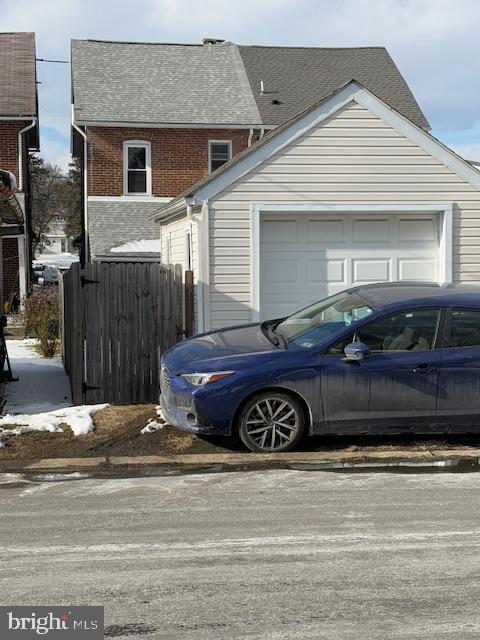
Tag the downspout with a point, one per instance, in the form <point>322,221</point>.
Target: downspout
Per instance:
<point>85,186</point>
<point>20,152</point>
<point>27,247</point>
<point>250,137</point>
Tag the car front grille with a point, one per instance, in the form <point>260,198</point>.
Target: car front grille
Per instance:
<point>165,383</point>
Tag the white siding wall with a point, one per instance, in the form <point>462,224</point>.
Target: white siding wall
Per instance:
<point>353,157</point>
<point>175,234</point>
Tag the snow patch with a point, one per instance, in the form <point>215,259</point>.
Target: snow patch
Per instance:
<point>138,246</point>
<point>42,383</point>
<point>59,260</point>
<point>79,419</point>
<point>155,425</point>
<point>152,425</point>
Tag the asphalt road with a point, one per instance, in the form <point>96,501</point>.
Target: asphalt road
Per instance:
<point>270,555</point>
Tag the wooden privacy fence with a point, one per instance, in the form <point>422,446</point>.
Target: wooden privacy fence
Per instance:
<point>117,320</point>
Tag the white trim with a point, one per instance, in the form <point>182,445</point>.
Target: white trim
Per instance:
<point>168,125</point>
<point>146,144</point>
<point>445,245</point>
<point>205,309</point>
<point>301,126</point>
<point>210,142</point>
<point>130,198</point>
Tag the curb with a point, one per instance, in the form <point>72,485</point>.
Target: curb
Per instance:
<point>240,461</point>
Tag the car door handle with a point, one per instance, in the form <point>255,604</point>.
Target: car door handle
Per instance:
<point>425,368</point>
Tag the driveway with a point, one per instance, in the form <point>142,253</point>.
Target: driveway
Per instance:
<point>270,555</point>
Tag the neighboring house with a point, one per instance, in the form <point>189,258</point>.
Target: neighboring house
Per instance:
<point>19,134</point>
<point>55,240</point>
<point>149,120</point>
<point>353,190</point>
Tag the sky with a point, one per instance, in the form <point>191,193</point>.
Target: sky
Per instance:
<point>435,44</point>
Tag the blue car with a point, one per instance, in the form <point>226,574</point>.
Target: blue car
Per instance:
<point>383,359</point>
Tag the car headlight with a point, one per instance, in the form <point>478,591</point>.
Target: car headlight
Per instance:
<point>201,379</point>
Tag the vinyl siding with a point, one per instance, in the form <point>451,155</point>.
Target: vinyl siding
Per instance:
<point>176,232</point>
<point>353,157</point>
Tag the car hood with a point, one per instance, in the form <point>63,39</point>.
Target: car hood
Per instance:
<point>234,347</point>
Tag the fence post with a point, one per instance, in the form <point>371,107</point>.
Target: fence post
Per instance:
<point>189,304</point>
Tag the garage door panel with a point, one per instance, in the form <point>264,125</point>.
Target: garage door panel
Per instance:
<point>274,231</point>
<point>325,231</point>
<point>323,271</point>
<point>280,270</point>
<point>419,230</point>
<point>417,269</point>
<point>372,230</point>
<point>304,257</point>
<point>366,270</point>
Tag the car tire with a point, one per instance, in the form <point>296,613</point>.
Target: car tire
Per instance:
<point>271,422</point>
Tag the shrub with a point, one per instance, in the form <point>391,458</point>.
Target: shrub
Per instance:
<point>42,316</point>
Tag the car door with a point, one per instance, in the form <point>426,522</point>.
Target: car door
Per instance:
<point>395,387</point>
<point>459,382</point>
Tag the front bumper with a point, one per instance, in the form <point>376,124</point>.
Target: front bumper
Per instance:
<point>182,417</point>
<point>180,406</point>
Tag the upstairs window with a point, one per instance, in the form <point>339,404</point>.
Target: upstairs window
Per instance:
<point>219,152</point>
<point>137,168</point>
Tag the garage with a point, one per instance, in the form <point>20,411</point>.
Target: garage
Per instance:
<point>305,257</point>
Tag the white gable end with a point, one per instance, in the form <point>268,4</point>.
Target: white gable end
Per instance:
<point>351,159</point>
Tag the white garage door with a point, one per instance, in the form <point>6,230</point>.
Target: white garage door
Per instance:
<point>305,258</point>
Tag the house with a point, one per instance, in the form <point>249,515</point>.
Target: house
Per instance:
<point>353,190</point>
<point>150,120</point>
<point>19,134</point>
<point>55,240</point>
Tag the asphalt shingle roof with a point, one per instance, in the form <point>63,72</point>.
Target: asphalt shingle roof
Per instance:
<point>158,83</point>
<point>220,84</point>
<point>298,76</point>
<point>18,96</point>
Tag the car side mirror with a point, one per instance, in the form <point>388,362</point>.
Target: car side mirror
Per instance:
<point>355,352</point>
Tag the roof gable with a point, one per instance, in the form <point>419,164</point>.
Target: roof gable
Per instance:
<point>18,88</point>
<point>300,125</point>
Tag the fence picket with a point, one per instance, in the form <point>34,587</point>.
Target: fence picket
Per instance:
<point>116,326</point>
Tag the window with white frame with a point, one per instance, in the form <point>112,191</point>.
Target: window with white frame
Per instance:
<point>219,152</point>
<point>137,168</point>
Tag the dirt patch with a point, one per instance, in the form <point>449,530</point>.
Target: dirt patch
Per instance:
<point>117,433</point>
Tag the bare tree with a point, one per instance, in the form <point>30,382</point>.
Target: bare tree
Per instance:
<point>47,197</point>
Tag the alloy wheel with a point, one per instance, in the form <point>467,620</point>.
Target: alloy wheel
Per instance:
<point>272,424</point>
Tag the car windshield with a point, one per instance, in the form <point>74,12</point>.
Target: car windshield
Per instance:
<point>312,325</point>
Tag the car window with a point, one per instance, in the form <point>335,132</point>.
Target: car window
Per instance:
<point>464,328</point>
<point>412,330</point>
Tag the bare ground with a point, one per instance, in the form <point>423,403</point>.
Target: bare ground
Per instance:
<point>117,433</point>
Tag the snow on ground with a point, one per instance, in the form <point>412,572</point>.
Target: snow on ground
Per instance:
<point>40,400</point>
<point>79,419</point>
<point>43,384</point>
<point>138,246</point>
<point>59,260</point>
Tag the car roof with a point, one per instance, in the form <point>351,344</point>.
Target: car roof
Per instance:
<point>420,293</point>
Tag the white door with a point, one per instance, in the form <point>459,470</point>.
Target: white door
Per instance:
<point>304,258</point>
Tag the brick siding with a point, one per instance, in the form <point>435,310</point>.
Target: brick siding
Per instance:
<point>179,157</point>
<point>10,266</point>
<point>9,162</point>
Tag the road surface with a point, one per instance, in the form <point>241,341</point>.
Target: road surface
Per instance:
<point>272,555</point>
